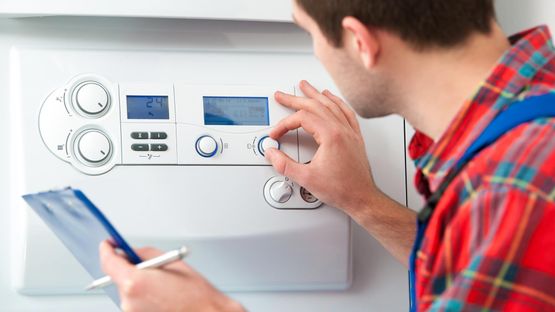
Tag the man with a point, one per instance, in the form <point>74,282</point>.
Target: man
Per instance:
<point>445,66</point>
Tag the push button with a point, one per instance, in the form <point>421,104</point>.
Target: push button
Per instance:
<point>207,146</point>
<point>140,147</point>
<point>266,143</point>
<point>139,135</point>
<point>307,196</point>
<point>158,135</point>
<point>158,147</point>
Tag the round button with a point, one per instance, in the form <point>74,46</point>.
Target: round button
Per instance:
<point>281,192</point>
<point>94,146</point>
<point>266,143</point>
<point>307,196</point>
<point>91,98</point>
<point>207,146</point>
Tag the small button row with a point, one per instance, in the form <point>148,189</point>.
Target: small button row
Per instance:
<point>145,135</point>
<point>151,147</point>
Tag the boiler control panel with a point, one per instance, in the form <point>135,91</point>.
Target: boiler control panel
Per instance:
<point>96,124</point>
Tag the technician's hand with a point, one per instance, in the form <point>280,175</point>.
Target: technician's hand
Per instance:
<point>176,287</point>
<point>339,174</point>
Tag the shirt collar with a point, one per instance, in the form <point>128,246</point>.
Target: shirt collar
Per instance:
<point>509,80</point>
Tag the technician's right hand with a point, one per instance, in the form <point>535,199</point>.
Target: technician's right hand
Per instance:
<point>339,174</point>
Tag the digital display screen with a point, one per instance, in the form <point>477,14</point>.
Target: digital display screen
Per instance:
<point>147,107</point>
<point>236,111</point>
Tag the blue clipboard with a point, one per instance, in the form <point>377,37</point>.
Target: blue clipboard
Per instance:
<point>81,227</point>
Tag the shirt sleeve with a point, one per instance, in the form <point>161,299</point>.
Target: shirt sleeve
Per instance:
<point>504,254</point>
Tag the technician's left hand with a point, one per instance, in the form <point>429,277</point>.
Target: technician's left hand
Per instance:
<point>176,287</point>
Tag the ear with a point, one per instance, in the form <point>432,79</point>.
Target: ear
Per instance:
<point>361,41</point>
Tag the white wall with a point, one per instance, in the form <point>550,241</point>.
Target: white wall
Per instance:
<point>516,15</point>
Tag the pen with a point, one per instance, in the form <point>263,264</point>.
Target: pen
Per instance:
<point>157,262</point>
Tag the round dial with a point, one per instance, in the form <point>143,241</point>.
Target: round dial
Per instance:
<point>266,143</point>
<point>91,98</point>
<point>94,147</point>
<point>207,146</point>
<point>281,192</point>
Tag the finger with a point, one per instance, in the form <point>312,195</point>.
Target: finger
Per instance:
<point>114,265</point>
<point>311,92</point>
<point>147,253</point>
<point>302,103</point>
<point>301,119</point>
<point>347,111</point>
<point>286,166</point>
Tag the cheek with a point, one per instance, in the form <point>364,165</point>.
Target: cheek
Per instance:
<point>317,49</point>
<point>321,47</point>
<point>322,53</point>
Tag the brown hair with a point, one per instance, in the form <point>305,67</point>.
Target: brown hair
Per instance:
<point>422,23</point>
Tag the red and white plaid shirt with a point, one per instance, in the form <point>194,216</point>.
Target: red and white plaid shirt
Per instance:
<point>490,244</point>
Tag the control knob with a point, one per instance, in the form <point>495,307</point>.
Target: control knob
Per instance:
<point>91,99</point>
<point>281,192</point>
<point>266,143</point>
<point>94,147</point>
<point>207,146</point>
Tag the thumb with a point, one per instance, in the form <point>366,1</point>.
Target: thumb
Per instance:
<point>286,166</point>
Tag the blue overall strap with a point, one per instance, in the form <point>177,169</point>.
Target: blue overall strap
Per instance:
<point>515,115</point>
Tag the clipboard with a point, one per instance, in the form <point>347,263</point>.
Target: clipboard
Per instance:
<point>81,227</point>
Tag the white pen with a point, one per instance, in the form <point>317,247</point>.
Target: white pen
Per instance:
<point>157,262</point>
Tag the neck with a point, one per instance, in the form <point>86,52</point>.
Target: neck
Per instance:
<point>436,84</point>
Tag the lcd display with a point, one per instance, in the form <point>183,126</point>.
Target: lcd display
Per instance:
<point>236,111</point>
<point>147,107</point>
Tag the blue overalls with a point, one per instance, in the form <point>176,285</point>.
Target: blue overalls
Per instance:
<point>517,114</point>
